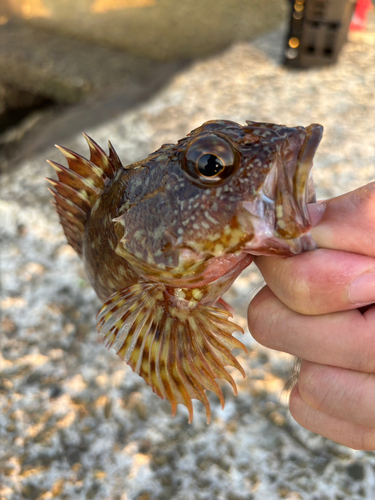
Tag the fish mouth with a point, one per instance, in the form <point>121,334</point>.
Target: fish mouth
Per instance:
<point>280,217</point>
<point>295,187</point>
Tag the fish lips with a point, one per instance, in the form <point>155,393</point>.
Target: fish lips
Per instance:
<point>279,217</point>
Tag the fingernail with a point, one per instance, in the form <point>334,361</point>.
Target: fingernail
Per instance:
<point>316,211</point>
<point>362,289</point>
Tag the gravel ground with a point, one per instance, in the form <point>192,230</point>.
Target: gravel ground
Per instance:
<point>76,422</point>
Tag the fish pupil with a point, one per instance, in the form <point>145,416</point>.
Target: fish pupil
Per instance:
<point>210,165</point>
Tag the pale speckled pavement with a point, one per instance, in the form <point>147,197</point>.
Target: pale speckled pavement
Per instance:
<point>76,422</point>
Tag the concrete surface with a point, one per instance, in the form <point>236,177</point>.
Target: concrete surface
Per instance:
<point>55,53</point>
<point>62,68</point>
<point>76,422</point>
<point>160,29</point>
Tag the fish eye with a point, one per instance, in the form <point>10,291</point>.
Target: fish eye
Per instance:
<point>210,165</point>
<point>210,160</point>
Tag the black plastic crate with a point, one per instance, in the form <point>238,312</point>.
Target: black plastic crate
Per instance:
<point>317,31</point>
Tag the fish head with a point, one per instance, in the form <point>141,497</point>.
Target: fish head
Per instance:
<point>223,192</point>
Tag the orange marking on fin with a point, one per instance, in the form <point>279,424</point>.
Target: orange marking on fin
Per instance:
<point>178,355</point>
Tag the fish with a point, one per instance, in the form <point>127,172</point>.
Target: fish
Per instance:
<point>164,238</point>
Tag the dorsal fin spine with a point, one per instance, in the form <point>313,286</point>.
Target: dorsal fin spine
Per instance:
<point>85,168</point>
<point>98,156</point>
<point>68,192</point>
<point>113,157</point>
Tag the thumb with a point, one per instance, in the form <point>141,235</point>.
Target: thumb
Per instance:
<point>347,222</point>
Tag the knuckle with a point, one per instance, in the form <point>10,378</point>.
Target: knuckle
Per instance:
<point>363,200</point>
<point>293,280</point>
<point>295,403</point>
<point>364,197</point>
<point>365,357</point>
<point>298,293</point>
<point>319,387</point>
<point>257,324</point>
<point>362,439</point>
<point>261,321</point>
<point>307,385</point>
<point>365,361</point>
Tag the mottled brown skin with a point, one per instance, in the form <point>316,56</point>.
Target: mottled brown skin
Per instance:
<point>107,271</point>
<point>164,238</point>
<point>161,211</point>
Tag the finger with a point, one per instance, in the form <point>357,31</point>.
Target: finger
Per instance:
<point>341,431</point>
<point>321,281</point>
<point>347,222</point>
<point>345,339</point>
<point>343,394</point>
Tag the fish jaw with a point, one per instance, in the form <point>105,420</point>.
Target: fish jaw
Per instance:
<point>278,215</point>
<point>203,272</point>
<point>218,277</point>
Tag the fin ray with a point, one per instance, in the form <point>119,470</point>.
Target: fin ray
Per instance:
<point>84,167</point>
<point>199,362</point>
<point>113,156</point>
<point>98,157</point>
<point>79,186</point>
<point>178,350</point>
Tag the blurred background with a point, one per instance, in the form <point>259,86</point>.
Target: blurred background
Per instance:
<point>59,53</point>
<point>76,422</point>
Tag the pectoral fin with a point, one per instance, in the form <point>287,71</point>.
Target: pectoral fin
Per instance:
<point>179,349</point>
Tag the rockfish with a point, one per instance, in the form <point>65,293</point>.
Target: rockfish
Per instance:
<point>163,239</point>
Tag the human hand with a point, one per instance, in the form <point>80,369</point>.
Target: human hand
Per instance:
<point>309,308</point>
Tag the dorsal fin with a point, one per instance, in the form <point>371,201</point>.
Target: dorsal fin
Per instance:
<point>79,186</point>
